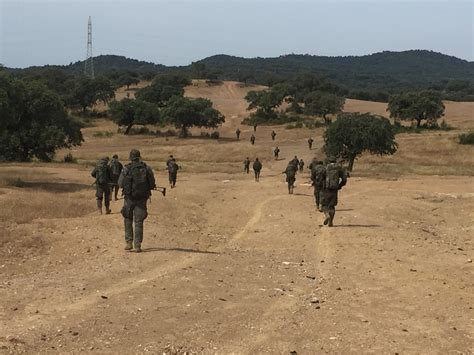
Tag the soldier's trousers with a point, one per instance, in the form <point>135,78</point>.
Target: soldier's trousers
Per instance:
<point>102,193</point>
<point>329,203</point>
<point>317,195</point>
<point>257,175</point>
<point>134,211</point>
<point>246,169</point>
<point>172,178</point>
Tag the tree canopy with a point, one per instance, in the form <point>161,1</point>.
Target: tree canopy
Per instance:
<point>129,112</point>
<point>34,121</point>
<point>163,88</point>
<point>423,105</point>
<point>87,92</point>
<point>351,134</point>
<point>184,113</point>
<point>320,103</point>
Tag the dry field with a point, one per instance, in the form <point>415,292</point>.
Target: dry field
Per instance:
<point>231,265</point>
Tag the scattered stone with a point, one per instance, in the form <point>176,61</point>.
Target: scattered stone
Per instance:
<point>311,277</point>
<point>293,352</point>
<point>405,330</point>
<point>469,261</point>
<point>222,299</point>
<point>413,270</point>
<point>75,333</point>
<point>338,289</point>
<point>314,300</point>
<point>104,297</point>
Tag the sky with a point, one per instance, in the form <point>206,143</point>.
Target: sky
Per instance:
<point>178,32</point>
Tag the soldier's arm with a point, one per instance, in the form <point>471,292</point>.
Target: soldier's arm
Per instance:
<point>151,178</point>
<point>343,177</point>
<point>94,172</point>
<point>121,177</point>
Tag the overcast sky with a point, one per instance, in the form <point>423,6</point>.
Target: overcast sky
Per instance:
<point>38,32</point>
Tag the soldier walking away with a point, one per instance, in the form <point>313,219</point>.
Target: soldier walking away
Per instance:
<point>115,170</point>
<point>237,133</point>
<point>296,162</point>
<point>252,139</point>
<point>103,180</point>
<point>257,167</point>
<point>313,163</point>
<point>137,181</point>
<point>247,165</point>
<point>290,172</point>
<point>276,152</point>
<point>335,178</point>
<point>273,135</point>
<point>255,127</point>
<point>172,168</point>
<point>301,165</point>
<point>318,173</point>
<point>310,143</point>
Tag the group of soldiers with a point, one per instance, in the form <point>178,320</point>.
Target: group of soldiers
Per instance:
<point>136,180</point>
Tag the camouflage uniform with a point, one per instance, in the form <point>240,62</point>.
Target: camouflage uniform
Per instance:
<point>252,139</point>
<point>116,168</point>
<point>172,168</point>
<point>102,189</point>
<point>310,143</point>
<point>135,209</point>
<point>237,133</point>
<point>290,172</point>
<point>301,165</point>
<point>273,135</point>
<point>317,176</point>
<point>276,152</point>
<point>247,165</point>
<point>329,196</point>
<point>296,162</point>
<point>257,167</point>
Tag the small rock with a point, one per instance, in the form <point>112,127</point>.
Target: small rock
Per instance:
<point>338,289</point>
<point>104,297</point>
<point>314,300</point>
<point>311,277</point>
<point>469,261</point>
<point>75,333</point>
<point>413,270</point>
<point>222,299</point>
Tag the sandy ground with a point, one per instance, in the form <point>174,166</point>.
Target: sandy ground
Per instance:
<point>231,265</point>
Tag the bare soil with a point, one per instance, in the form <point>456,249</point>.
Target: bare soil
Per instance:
<point>231,265</point>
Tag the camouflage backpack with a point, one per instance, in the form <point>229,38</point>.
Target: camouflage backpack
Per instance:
<point>135,182</point>
<point>115,167</point>
<point>101,173</point>
<point>318,174</point>
<point>332,176</point>
<point>173,167</point>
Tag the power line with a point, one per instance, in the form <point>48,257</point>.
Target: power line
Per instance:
<point>89,63</point>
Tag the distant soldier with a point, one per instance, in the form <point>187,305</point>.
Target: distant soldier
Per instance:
<point>276,151</point>
<point>255,127</point>
<point>318,173</point>
<point>296,162</point>
<point>257,167</point>
<point>115,170</point>
<point>137,181</point>
<point>252,139</point>
<point>103,180</point>
<point>313,164</point>
<point>170,158</point>
<point>273,135</point>
<point>172,168</point>
<point>237,133</point>
<point>335,178</point>
<point>310,143</point>
<point>290,172</point>
<point>301,165</point>
<point>247,165</point>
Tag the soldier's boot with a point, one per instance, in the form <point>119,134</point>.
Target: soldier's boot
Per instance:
<point>138,236</point>
<point>128,223</point>
<point>327,217</point>
<point>332,213</point>
<point>107,209</point>
<point>116,193</point>
<point>99,206</point>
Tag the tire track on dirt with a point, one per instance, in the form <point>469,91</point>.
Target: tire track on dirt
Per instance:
<point>61,309</point>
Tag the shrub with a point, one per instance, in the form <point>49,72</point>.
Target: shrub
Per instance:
<point>466,138</point>
<point>68,158</point>
<point>103,134</point>
<point>215,135</point>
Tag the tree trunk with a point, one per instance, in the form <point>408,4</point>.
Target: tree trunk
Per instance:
<point>184,132</point>
<point>129,127</point>
<point>351,163</point>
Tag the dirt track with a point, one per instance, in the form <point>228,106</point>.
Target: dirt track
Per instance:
<point>231,265</point>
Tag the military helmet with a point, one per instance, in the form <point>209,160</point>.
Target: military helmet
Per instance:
<point>134,154</point>
<point>115,156</point>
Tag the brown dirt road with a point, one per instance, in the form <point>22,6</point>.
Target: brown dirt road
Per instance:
<point>231,265</point>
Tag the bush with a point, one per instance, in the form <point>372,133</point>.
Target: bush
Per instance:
<point>103,134</point>
<point>431,126</point>
<point>68,158</point>
<point>215,135</point>
<point>466,138</point>
<point>140,130</point>
<point>311,124</point>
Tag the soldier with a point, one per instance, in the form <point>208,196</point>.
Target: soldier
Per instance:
<point>115,167</point>
<point>169,161</point>
<point>172,168</point>
<point>273,135</point>
<point>310,143</point>
<point>296,162</point>
<point>137,181</point>
<point>252,139</point>
<point>255,127</point>
<point>290,172</point>
<point>318,173</point>
<point>247,165</point>
<point>313,163</point>
<point>237,133</point>
<point>257,167</point>
<point>276,152</point>
<point>335,178</point>
<point>103,180</point>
